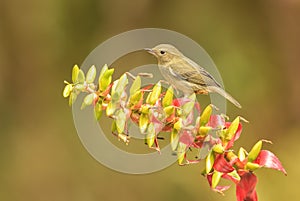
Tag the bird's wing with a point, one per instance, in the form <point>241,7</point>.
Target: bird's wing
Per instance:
<point>190,71</point>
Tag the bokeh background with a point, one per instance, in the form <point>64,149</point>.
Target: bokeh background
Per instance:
<point>255,45</point>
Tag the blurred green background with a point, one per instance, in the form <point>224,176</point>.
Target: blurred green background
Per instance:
<point>255,45</point>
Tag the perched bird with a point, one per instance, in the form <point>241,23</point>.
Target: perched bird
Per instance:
<point>184,74</point>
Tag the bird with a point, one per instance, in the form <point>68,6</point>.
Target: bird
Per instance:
<point>186,75</point>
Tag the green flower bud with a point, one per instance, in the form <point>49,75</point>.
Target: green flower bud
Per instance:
<point>204,118</point>
<point>218,148</point>
<point>252,166</point>
<point>209,162</point>
<point>255,151</point>
<point>168,98</point>
<point>216,177</point>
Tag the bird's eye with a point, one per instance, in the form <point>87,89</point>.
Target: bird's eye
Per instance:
<point>162,52</point>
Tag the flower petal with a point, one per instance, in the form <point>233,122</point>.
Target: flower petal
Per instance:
<point>216,121</point>
<point>219,189</point>
<point>245,189</point>
<point>178,102</point>
<point>221,165</point>
<point>267,159</point>
<point>186,138</point>
<point>232,176</point>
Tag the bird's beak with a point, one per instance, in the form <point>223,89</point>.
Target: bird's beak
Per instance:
<point>149,50</point>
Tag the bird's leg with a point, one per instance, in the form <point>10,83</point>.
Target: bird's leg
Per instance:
<point>177,91</point>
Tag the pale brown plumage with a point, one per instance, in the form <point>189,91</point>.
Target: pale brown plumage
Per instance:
<point>185,74</point>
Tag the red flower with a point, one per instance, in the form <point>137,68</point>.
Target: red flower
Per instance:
<point>222,165</point>
<point>241,172</point>
<point>216,121</point>
<point>219,189</point>
<point>245,189</point>
<point>267,159</point>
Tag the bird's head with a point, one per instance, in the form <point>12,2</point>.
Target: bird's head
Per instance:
<point>164,53</point>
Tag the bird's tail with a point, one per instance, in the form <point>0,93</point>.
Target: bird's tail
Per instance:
<point>224,94</point>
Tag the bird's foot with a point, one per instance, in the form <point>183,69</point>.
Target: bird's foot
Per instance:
<point>201,91</point>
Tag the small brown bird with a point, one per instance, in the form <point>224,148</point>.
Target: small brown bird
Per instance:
<point>184,74</point>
